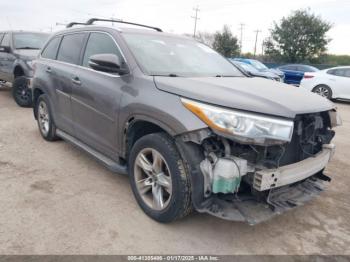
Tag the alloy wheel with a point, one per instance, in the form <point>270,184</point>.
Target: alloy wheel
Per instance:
<point>44,118</point>
<point>322,91</point>
<point>153,179</point>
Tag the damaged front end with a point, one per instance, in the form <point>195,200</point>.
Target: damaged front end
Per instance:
<point>251,181</point>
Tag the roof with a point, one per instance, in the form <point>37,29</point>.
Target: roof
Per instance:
<point>119,30</point>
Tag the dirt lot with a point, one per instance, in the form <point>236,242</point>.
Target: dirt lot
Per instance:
<point>55,199</point>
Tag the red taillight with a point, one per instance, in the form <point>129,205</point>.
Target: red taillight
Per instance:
<point>308,76</point>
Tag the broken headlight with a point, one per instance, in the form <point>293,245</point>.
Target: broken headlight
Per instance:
<point>243,127</point>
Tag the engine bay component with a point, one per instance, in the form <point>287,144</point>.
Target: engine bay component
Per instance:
<point>223,175</point>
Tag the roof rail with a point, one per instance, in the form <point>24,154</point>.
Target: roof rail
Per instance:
<point>92,20</point>
<point>73,24</point>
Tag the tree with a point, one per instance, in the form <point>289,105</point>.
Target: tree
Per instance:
<point>299,37</point>
<point>205,38</point>
<point>225,43</point>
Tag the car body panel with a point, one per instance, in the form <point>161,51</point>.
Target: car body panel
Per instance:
<point>294,73</point>
<point>248,94</point>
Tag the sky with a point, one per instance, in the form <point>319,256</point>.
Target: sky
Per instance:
<point>176,16</point>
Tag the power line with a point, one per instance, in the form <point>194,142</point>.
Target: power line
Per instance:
<point>241,26</point>
<point>256,39</point>
<point>195,20</point>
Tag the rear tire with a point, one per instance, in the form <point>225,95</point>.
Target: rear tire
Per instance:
<point>158,178</point>
<point>44,117</point>
<point>323,91</point>
<point>21,92</point>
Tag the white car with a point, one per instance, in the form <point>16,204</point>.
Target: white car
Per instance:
<point>331,83</point>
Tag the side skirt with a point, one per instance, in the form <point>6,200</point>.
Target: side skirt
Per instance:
<point>107,162</point>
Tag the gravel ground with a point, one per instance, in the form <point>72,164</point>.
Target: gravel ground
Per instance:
<point>55,199</point>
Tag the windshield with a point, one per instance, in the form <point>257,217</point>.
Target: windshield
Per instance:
<point>258,65</point>
<point>29,40</point>
<point>172,56</point>
<point>248,67</point>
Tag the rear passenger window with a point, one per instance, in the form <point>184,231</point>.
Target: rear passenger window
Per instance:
<point>100,43</point>
<point>1,36</point>
<point>6,40</point>
<point>70,48</point>
<point>50,50</point>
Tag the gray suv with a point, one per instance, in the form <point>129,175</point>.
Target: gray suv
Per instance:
<point>187,127</point>
<point>17,51</point>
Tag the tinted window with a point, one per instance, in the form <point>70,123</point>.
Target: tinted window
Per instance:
<point>100,43</point>
<point>50,50</point>
<point>347,72</point>
<point>307,68</point>
<point>289,67</point>
<point>70,48</point>
<point>6,40</point>
<point>1,35</point>
<point>338,72</point>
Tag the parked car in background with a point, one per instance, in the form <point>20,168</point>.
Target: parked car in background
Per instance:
<point>332,83</point>
<point>294,73</point>
<point>17,51</point>
<point>253,72</point>
<point>260,66</point>
<point>189,129</point>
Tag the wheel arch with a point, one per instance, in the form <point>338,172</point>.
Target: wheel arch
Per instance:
<point>139,126</point>
<point>18,71</point>
<point>37,92</point>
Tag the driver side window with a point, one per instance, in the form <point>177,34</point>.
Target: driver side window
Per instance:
<point>100,43</point>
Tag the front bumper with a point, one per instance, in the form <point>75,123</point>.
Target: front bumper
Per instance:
<point>283,188</point>
<point>279,200</point>
<point>285,175</point>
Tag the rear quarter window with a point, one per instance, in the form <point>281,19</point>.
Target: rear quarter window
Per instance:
<point>70,48</point>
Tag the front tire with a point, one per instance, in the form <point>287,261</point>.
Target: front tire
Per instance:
<point>44,117</point>
<point>21,92</point>
<point>323,91</point>
<point>158,178</point>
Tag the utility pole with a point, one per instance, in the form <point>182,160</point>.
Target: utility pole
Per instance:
<point>195,20</point>
<point>241,26</point>
<point>256,40</point>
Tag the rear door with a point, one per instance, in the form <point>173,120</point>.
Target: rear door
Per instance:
<point>96,97</point>
<point>7,59</point>
<point>61,72</point>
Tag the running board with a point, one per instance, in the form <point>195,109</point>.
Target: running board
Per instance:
<point>109,163</point>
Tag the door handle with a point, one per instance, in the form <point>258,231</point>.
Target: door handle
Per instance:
<point>48,70</point>
<point>76,81</point>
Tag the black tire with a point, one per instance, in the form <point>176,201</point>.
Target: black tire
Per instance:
<point>179,203</point>
<point>21,92</point>
<point>323,91</point>
<point>49,133</point>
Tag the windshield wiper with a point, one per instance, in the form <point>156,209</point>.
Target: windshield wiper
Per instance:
<point>28,47</point>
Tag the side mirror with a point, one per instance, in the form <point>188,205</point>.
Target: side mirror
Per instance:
<point>108,63</point>
<point>5,49</point>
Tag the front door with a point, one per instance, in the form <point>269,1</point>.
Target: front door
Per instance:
<point>96,98</point>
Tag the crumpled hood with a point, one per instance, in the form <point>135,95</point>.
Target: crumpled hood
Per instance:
<point>27,54</point>
<point>249,94</point>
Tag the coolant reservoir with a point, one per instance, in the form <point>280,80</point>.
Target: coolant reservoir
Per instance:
<point>227,174</point>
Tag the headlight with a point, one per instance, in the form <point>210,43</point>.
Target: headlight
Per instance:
<point>242,126</point>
